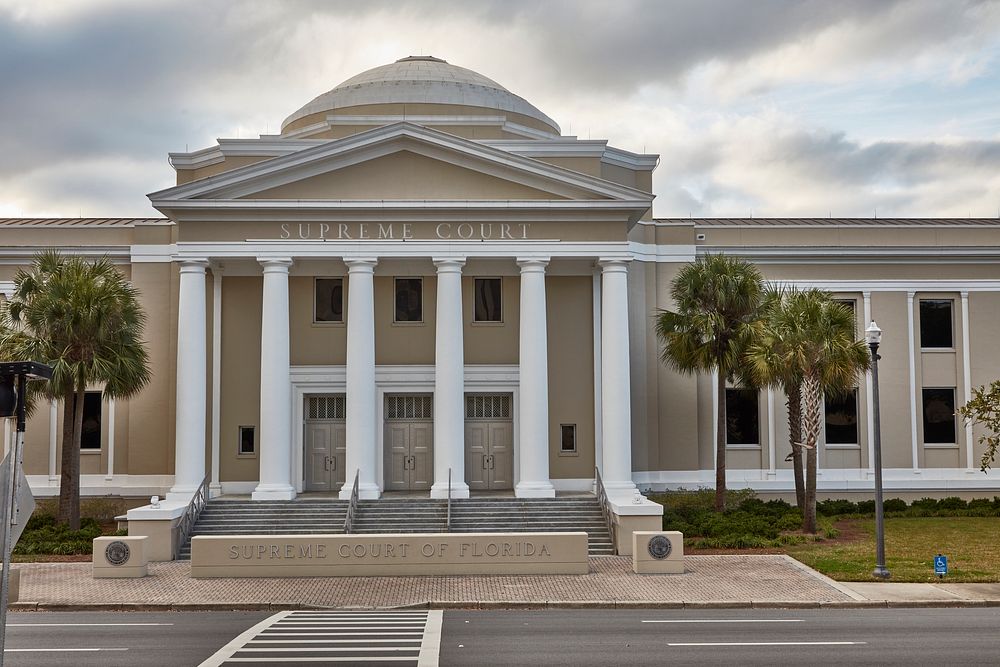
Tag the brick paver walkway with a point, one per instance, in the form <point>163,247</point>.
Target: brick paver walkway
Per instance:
<point>708,578</point>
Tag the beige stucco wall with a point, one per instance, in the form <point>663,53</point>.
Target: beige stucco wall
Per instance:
<point>490,342</point>
<point>240,382</point>
<point>569,301</point>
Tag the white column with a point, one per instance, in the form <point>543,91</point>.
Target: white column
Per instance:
<point>449,382</point>
<point>215,486</point>
<point>362,449</point>
<point>913,350</point>
<point>53,438</point>
<point>189,448</point>
<point>967,384</point>
<point>616,401</point>
<point>772,460</point>
<point>533,422</point>
<point>111,440</point>
<point>598,428</point>
<point>275,444</point>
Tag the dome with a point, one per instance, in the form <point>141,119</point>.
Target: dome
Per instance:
<point>421,80</point>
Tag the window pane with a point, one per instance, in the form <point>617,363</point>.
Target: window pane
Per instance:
<point>90,437</point>
<point>935,323</point>
<point>246,440</point>
<point>568,432</point>
<point>939,415</point>
<point>853,305</point>
<point>742,419</point>
<point>329,299</point>
<point>487,291</point>
<point>842,418</point>
<point>409,300</point>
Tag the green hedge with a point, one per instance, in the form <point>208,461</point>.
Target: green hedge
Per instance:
<point>43,535</point>
<point>750,522</point>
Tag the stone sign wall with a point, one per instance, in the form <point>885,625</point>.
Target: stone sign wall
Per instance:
<point>392,555</point>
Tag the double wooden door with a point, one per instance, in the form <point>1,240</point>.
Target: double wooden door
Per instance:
<point>489,455</point>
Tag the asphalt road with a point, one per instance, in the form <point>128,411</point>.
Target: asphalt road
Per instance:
<point>552,637</point>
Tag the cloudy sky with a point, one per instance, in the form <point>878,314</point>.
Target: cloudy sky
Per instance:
<point>779,108</point>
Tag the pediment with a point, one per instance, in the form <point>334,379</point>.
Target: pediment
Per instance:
<point>407,175</point>
<point>399,162</point>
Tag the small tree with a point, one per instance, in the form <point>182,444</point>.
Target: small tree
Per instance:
<point>718,303</point>
<point>984,409</point>
<point>82,318</point>
<point>814,338</point>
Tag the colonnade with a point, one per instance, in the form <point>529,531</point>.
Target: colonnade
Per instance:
<point>276,480</point>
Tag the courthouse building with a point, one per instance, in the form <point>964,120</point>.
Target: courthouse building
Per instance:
<point>421,281</point>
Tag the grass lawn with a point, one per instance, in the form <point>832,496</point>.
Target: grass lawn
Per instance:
<point>972,545</point>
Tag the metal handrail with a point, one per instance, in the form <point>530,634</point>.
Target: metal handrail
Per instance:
<point>184,527</point>
<point>352,505</point>
<point>448,519</point>
<point>602,498</point>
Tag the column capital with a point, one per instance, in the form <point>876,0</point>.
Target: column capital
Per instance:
<point>532,264</point>
<point>614,264</point>
<point>360,264</point>
<point>193,265</point>
<point>275,264</point>
<point>449,264</point>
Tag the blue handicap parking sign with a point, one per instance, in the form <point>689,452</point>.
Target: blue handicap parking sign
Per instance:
<point>940,565</point>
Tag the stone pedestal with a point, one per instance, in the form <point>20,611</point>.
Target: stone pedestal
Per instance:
<point>120,557</point>
<point>658,552</point>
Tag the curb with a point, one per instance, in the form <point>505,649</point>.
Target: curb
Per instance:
<point>515,605</point>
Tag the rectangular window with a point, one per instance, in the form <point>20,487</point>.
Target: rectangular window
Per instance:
<point>939,416</point>
<point>329,300</point>
<point>247,444</point>
<point>853,305</point>
<point>935,323</point>
<point>488,300</point>
<point>842,418</point>
<point>90,436</point>
<point>742,417</point>
<point>409,300</point>
<point>567,438</point>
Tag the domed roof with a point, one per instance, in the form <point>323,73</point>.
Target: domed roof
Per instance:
<point>424,80</point>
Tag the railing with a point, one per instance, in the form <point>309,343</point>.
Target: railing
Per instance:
<point>352,505</point>
<point>448,516</point>
<point>609,515</point>
<point>182,531</point>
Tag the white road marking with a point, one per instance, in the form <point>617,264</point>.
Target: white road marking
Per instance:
<point>767,644</point>
<point>59,650</point>
<point>79,625</point>
<point>226,652</point>
<point>729,620</point>
<point>414,640</point>
<point>327,658</point>
<point>430,647</point>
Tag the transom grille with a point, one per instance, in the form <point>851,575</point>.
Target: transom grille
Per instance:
<point>487,406</point>
<point>327,407</point>
<point>409,406</point>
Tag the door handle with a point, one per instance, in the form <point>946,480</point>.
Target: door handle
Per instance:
<point>326,463</point>
<point>333,460</point>
<point>486,462</point>
<point>492,462</point>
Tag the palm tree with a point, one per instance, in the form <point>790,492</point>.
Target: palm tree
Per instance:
<point>814,339</point>
<point>718,303</point>
<point>82,318</point>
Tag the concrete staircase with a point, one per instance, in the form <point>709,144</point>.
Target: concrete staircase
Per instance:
<point>407,515</point>
<point>302,516</point>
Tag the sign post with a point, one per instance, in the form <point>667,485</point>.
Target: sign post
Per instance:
<point>15,514</point>
<point>940,566</point>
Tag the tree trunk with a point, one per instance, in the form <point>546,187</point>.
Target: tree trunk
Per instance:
<point>720,446</point>
<point>794,404</point>
<point>813,395</point>
<point>69,483</point>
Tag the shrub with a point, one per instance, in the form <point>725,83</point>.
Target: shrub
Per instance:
<point>924,504</point>
<point>893,505</point>
<point>868,506</point>
<point>833,507</point>
<point>952,503</point>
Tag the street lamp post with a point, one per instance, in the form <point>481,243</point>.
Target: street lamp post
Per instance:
<point>874,336</point>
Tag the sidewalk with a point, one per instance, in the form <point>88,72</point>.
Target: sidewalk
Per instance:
<point>710,581</point>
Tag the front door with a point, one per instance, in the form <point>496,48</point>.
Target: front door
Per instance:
<point>409,439</point>
<point>489,440</point>
<point>325,443</point>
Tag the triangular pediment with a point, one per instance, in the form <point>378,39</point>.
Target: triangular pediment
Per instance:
<point>399,162</point>
<point>407,175</point>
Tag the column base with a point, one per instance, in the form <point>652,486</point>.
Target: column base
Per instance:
<point>543,489</point>
<point>181,494</point>
<point>620,492</point>
<point>273,492</point>
<point>366,491</point>
<point>458,490</point>
<point>214,490</point>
